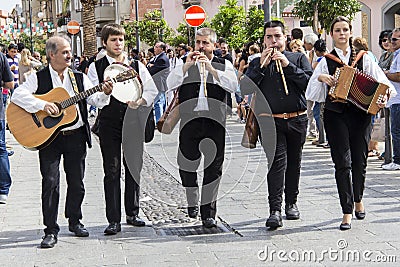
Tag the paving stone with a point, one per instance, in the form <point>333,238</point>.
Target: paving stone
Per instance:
<point>242,205</point>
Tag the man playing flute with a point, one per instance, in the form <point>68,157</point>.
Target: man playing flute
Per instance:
<point>280,79</point>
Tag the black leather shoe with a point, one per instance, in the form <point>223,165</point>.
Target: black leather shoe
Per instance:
<point>113,228</point>
<point>292,212</point>
<point>360,214</point>
<point>275,220</point>
<point>193,211</point>
<point>345,226</point>
<point>49,240</point>
<point>78,229</point>
<point>135,221</point>
<point>209,223</point>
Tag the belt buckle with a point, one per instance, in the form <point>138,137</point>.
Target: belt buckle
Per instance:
<point>285,116</point>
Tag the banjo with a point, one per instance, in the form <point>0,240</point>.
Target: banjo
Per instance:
<point>124,91</point>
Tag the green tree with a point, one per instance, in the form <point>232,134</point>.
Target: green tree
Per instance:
<point>322,12</point>
<point>230,23</point>
<point>255,24</point>
<point>154,28</point>
<point>185,34</point>
<point>130,34</point>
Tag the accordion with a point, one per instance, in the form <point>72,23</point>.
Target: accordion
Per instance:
<point>358,88</point>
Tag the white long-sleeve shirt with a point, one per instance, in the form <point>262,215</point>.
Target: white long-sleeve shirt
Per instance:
<point>150,90</point>
<point>23,95</point>
<point>369,67</point>
<point>226,79</point>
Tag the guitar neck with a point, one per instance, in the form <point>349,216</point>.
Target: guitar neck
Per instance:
<point>78,97</point>
<point>126,75</point>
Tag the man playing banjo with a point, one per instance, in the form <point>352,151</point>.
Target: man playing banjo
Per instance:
<point>111,125</point>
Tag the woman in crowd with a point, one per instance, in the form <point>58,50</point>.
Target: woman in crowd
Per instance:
<point>387,55</point>
<point>296,45</point>
<point>348,128</point>
<point>27,65</point>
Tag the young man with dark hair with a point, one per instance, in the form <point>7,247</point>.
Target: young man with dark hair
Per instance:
<point>111,123</point>
<point>287,110</point>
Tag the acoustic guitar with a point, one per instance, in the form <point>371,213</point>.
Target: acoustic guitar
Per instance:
<point>37,130</point>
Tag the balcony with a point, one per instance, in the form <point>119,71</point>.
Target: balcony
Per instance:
<point>105,12</point>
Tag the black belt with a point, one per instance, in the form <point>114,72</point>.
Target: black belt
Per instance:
<point>71,132</point>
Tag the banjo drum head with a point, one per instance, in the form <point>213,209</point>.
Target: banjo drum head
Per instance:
<point>129,90</point>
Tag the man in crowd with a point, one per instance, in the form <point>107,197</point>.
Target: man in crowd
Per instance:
<point>111,123</point>
<point>226,55</point>
<point>203,115</point>
<point>394,102</point>
<point>13,61</point>
<point>281,77</point>
<point>70,143</point>
<point>7,81</point>
<point>158,67</point>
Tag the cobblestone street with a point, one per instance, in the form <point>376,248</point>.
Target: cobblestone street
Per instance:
<point>171,238</point>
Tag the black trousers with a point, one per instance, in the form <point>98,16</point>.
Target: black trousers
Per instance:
<point>126,129</point>
<point>349,134</point>
<point>73,149</point>
<point>197,136</point>
<point>284,157</point>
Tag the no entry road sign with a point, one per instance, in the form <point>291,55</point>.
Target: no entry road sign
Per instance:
<point>195,16</point>
<point>73,27</point>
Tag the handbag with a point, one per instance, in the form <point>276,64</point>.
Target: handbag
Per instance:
<point>251,129</point>
<point>378,130</point>
<point>170,117</point>
<point>150,127</point>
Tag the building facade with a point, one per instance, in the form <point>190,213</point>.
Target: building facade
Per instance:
<point>373,17</point>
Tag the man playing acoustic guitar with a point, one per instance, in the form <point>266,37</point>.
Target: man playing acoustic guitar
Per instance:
<point>69,143</point>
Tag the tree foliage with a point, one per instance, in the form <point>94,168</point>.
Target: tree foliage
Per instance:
<point>185,34</point>
<point>255,24</point>
<point>322,12</point>
<point>230,23</point>
<point>38,41</point>
<point>154,28</point>
<point>130,34</point>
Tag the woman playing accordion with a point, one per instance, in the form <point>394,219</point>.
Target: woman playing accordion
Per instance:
<point>348,127</point>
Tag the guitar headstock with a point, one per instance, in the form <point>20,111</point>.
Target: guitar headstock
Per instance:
<point>126,75</point>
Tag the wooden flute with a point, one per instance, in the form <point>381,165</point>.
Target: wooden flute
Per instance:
<point>279,67</point>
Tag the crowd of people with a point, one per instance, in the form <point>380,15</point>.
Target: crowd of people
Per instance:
<point>285,79</point>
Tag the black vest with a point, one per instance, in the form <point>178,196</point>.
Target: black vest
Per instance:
<point>332,65</point>
<point>190,88</point>
<point>45,85</point>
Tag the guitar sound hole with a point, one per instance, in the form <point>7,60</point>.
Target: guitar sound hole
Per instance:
<point>50,122</point>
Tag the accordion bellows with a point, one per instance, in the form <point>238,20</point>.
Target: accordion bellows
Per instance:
<point>359,88</point>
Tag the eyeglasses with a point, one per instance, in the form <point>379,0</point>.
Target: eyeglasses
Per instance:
<point>385,40</point>
<point>395,39</point>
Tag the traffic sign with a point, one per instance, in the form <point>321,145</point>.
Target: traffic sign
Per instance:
<point>195,16</point>
<point>73,27</point>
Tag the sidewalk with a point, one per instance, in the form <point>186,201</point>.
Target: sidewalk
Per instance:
<point>171,238</point>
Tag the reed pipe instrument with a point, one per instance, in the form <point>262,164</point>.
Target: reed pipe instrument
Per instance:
<point>279,68</point>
